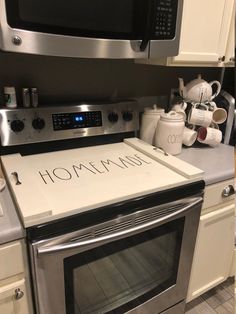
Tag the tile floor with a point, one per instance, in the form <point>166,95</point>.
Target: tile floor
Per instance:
<point>219,300</point>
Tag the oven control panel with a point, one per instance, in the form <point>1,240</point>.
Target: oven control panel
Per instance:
<point>74,120</point>
<point>33,125</point>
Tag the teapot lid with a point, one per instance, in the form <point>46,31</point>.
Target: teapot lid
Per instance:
<point>153,110</point>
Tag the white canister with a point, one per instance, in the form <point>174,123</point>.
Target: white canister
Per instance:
<point>149,121</point>
<point>169,133</point>
<point>10,97</point>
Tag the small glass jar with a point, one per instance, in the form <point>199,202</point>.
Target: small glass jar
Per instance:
<point>169,133</point>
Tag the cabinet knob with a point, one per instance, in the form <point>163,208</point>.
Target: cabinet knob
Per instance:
<point>228,190</point>
<point>18,294</point>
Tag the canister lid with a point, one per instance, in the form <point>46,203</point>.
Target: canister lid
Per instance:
<point>9,89</point>
<point>172,116</point>
<point>153,110</point>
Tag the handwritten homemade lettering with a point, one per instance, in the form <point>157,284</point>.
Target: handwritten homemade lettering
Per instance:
<point>93,168</point>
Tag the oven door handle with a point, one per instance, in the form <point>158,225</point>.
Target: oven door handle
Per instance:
<point>46,249</point>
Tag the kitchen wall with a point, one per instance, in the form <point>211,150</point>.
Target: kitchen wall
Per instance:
<point>69,79</point>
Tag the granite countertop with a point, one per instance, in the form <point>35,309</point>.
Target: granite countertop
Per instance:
<point>217,162</point>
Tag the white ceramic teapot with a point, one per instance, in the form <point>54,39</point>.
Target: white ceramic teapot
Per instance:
<point>198,90</point>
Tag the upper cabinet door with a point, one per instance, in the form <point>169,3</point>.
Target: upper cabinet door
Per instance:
<point>230,50</point>
<point>205,30</point>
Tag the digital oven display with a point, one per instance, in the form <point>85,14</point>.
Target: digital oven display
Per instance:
<point>76,120</point>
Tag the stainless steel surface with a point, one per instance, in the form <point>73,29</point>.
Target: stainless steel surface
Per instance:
<point>10,226</point>
<point>231,115</point>
<point>167,48</point>
<point>17,40</point>
<point>48,269</point>
<point>17,125</point>
<point>18,294</point>
<point>77,240</point>
<point>177,309</point>
<point>228,191</point>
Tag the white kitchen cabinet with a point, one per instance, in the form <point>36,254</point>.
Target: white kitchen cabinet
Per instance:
<point>13,299</point>
<point>230,49</point>
<point>14,280</point>
<point>205,34</point>
<point>214,247</point>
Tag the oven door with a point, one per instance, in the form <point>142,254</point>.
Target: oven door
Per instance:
<point>139,263</point>
<point>78,28</point>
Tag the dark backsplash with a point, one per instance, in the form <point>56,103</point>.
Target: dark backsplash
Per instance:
<point>69,79</point>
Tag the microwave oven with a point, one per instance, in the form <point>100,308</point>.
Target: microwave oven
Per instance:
<point>91,29</point>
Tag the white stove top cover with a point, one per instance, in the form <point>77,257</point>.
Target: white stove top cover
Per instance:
<point>63,183</point>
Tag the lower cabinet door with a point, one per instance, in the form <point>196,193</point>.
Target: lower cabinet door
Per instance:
<point>213,251</point>
<point>13,299</point>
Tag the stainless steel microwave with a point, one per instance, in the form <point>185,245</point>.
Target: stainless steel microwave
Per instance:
<point>91,28</point>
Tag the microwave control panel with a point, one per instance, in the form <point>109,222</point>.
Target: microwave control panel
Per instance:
<point>165,19</point>
<point>33,125</point>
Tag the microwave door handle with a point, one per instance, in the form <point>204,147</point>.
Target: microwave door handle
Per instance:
<point>117,235</point>
<point>149,25</point>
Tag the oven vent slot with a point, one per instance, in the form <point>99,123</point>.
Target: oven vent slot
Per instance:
<point>142,219</point>
<point>155,215</point>
<point>123,225</point>
<point>103,231</point>
<point>82,237</point>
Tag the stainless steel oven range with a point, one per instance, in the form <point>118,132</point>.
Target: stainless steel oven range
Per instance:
<point>111,221</point>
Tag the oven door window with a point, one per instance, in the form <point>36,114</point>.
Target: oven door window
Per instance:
<point>113,19</point>
<point>121,275</point>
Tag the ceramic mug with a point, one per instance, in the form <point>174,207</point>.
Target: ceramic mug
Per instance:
<point>180,109</point>
<point>211,135</point>
<point>189,136</point>
<point>219,115</point>
<point>201,117</point>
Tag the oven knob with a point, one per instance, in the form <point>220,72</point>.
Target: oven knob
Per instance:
<point>38,124</point>
<point>113,117</point>
<point>127,116</point>
<point>17,125</point>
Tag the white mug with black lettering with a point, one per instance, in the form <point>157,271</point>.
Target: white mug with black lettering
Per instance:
<point>200,115</point>
<point>169,133</point>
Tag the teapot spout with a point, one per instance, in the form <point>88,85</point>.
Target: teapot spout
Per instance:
<point>182,88</point>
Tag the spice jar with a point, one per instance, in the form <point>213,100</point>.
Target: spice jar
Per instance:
<point>169,133</point>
